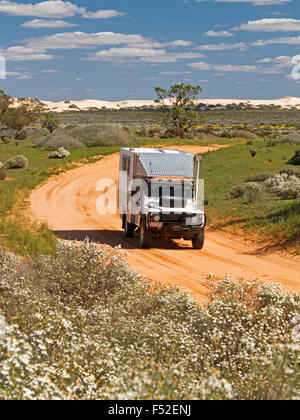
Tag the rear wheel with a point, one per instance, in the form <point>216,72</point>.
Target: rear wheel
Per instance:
<point>198,241</point>
<point>129,228</point>
<point>145,237</point>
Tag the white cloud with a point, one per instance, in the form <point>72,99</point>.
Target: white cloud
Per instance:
<point>271,25</point>
<point>40,23</point>
<point>146,55</point>
<point>46,9</point>
<point>53,9</point>
<point>103,14</point>
<point>81,40</point>
<point>223,67</point>
<point>277,41</point>
<point>255,2</point>
<point>279,62</point>
<point>20,53</point>
<point>174,73</point>
<point>225,34</point>
<point>223,47</point>
<point>228,68</point>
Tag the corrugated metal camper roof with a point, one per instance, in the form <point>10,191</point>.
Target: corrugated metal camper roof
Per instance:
<point>166,163</point>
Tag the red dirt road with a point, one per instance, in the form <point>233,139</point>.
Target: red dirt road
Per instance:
<point>67,203</point>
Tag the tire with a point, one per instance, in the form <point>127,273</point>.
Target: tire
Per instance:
<point>145,237</point>
<point>129,228</point>
<point>198,241</point>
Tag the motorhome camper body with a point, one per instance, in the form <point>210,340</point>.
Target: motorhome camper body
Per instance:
<point>159,195</point>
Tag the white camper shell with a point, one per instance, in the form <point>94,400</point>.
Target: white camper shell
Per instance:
<point>159,195</point>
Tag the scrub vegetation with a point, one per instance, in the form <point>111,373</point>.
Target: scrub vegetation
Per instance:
<point>81,325</point>
<point>256,196</point>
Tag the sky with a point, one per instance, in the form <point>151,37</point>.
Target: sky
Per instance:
<point>122,49</point>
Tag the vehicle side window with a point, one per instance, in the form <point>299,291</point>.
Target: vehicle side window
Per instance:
<point>125,164</point>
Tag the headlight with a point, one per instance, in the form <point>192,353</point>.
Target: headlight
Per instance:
<point>197,220</point>
<point>156,218</point>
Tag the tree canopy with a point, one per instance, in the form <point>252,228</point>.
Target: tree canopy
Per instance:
<point>19,113</point>
<point>179,105</point>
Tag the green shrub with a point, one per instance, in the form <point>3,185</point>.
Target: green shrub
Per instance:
<point>36,133</point>
<point>2,172</point>
<point>102,135</point>
<point>290,172</point>
<point>252,192</point>
<point>296,159</point>
<point>5,140</point>
<point>237,191</point>
<point>292,139</point>
<point>288,191</point>
<point>55,141</point>
<point>226,135</point>
<point>245,134</point>
<point>258,177</point>
<point>17,162</point>
<point>21,135</point>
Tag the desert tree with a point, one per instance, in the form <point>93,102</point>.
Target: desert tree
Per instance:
<point>179,106</point>
<point>24,112</point>
<point>5,102</point>
<point>50,122</point>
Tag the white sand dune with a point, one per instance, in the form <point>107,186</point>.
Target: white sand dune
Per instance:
<point>92,103</point>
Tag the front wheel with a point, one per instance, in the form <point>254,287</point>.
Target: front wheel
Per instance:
<point>198,241</point>
<point>145,237</point>
<point>129,228</point>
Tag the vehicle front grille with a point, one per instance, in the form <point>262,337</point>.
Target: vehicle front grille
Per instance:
<point>173,218</point>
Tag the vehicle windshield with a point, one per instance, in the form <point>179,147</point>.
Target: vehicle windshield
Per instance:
<point>168,191</point>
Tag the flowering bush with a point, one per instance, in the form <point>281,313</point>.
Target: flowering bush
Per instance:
<point>17,162</point>
<point>251,191</point>
<point>84,326</point>
<point>60,153</point>
<point>284,186</point>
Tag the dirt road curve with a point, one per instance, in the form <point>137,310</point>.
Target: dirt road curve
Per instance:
<point>67,203</point>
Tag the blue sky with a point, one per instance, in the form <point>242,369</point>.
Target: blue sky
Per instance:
<point>118,49</point>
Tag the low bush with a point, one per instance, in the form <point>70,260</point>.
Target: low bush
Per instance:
<point>292,139</point>
<point>296,159</point>
<point>83,326</point>
<point>35,133</point>
<point>102,135</point>
<point>258,177</point>
<point>55,141</point>
<point>5,140</point>
<point>21,135</point>
<point>285,186</point>
<point>252,192</point>
<point>288,191</point>
<point>237,191</point>
<point>244,134</point>
<point>290,172</point>
<point>115,136</point>
<point>60,153</point>
<point>17,162</point>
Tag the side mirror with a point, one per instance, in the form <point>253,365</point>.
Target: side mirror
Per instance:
<point>205,202</point>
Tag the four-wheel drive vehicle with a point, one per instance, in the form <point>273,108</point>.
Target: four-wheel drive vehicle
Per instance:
<point>158,196</point>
